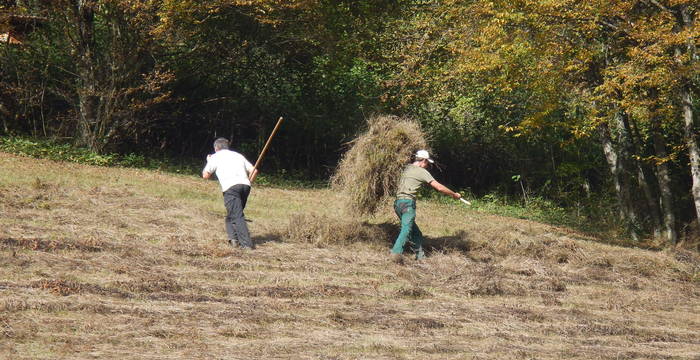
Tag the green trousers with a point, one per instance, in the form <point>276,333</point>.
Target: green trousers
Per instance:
<point>406,211</point>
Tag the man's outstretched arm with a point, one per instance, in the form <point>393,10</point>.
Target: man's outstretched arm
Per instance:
<point>443,189</point>
<point>206,174</point>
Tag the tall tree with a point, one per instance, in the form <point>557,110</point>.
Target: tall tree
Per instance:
<point>687,16</point>
<point>105,45</point>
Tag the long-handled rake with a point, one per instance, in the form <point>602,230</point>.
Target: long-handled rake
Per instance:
<point>267,145</point>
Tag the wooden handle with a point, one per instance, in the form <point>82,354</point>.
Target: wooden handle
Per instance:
<point>267,144</point>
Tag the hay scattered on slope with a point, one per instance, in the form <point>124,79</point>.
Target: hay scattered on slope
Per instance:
<point>322,231</point>
<point>369,171</point>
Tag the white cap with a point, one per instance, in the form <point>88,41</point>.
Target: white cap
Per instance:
<point>423,154</point>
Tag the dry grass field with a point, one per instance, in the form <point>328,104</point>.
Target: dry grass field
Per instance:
<point>133,264</point>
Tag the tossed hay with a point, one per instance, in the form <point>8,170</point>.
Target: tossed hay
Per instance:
<point>369,171</point>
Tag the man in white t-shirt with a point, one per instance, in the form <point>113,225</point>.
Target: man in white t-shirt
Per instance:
<point>235,175</point>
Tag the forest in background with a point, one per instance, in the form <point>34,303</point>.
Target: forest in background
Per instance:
<point>590,104</point>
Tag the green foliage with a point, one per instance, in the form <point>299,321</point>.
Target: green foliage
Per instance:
<point>55,151</point>
<point>62,151</point>
<point>537,208</point>
<point>284,179</point>
<point>594,217</point>
<point>501,87</point>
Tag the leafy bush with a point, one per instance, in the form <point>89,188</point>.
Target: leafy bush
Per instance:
<point>54,151</point>
<point>58,151</point>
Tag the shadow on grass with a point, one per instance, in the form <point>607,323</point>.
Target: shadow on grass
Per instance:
<point>458,242</point>
<point>322,230</point>
<point>266,238</point>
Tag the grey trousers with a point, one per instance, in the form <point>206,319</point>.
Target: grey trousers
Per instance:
<point>235,199</point>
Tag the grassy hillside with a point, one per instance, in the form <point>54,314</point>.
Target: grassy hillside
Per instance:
<point>131,264</point>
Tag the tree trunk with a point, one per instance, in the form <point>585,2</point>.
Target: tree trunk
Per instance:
<point>662,175</point>
<point>629,164</point>
<point>643,178</point>
<point>688,121</point>
<point>83,42</point>
<point>95,102</point>
<point>693,150</point>
<point>4,115</point>
<point>626,212</point>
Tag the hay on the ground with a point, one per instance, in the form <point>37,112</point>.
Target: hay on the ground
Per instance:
<point>369,171</point>
<point>322,230</point>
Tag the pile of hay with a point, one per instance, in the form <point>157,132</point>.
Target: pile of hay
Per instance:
<point>322,231</point>
<point>369,171</point>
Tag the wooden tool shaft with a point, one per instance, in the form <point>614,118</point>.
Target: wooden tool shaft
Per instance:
<point>267,144</point>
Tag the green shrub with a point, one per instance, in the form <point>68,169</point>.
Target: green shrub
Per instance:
<point>61,151</point>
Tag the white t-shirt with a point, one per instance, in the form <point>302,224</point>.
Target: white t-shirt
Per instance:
<point>231,168</point>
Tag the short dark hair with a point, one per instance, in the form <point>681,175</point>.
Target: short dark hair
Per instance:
<point>221,143</point>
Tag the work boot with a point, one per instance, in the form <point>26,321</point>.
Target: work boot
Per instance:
<point>396,258</point>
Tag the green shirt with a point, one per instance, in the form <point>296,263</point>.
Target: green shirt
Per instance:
<point>411,179</point>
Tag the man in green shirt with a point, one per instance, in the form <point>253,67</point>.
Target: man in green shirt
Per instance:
<point>413,176</point>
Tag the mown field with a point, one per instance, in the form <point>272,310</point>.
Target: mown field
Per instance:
<point>133,264</point>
